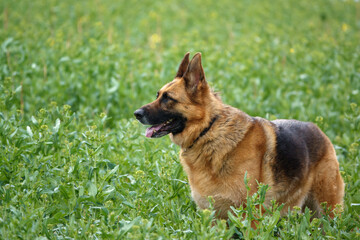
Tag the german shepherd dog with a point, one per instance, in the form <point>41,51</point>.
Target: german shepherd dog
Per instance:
<point>220,143</point>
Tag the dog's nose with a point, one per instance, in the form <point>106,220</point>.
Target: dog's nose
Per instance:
<point>139,113</point>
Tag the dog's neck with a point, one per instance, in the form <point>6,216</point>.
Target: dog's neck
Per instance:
<point>203,132</point>
<point>225,132</point>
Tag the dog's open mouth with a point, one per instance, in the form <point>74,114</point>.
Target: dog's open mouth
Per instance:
<point>174,125</point>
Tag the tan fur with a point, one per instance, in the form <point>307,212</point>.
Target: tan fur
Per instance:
<point>236,143</point>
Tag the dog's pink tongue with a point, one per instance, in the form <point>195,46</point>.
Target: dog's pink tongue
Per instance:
<point>150,131</point>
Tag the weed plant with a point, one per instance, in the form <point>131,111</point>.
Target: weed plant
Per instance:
<point>75,165</point>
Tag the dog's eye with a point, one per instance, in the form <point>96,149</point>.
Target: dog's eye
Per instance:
<point>165,98</point>
<point>157,95</point>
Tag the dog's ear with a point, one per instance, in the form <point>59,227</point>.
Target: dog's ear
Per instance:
<point>194,76</point>
<point>183,66</point>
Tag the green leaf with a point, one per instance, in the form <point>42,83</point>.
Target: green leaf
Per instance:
<point>28,130</point>
<point>34,121</point>
<point>111,173</point>
<point>57,125</point>
<point>18,89</point>
<point>92,189</point>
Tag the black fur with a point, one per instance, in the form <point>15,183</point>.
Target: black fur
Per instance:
<point>204,131</point>
<point>298,145</point>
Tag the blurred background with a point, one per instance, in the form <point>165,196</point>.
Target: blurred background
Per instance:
<point>286,59</point>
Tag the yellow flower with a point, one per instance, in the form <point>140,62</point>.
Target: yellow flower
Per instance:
<point>139,173</point>
<point>344,27</point>
<point>214,15</point>
<point>319,119</point>
<point>338,209</point>
<point>66,107</point>
<point>154,40</point>
<point>50,41</point>
<point>136,227</point>
<point>353,106</point>
<point>92,41</point>
<point>59,35</point>
<point>206,212</point>
<point>354,147</point>
<point>297,208</point>
<point>153,15</point>
<point>292,50</point>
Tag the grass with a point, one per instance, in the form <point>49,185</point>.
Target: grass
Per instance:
<point>74,163</point>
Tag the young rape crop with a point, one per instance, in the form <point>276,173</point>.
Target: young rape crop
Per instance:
<point>74,164</point>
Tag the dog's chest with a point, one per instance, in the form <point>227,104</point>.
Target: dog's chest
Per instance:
<point>201,181</point>
<point>204,183</point>
<point>200,200</point>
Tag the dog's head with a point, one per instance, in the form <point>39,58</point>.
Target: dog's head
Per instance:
<point>179,103</point>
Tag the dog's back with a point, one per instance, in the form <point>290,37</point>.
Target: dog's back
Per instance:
<point>306,161</point>
<point>299,145</point>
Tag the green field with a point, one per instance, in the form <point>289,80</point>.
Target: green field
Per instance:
<point>74,164</point>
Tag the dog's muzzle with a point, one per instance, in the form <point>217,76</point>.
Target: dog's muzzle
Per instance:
<point>140,115</point>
